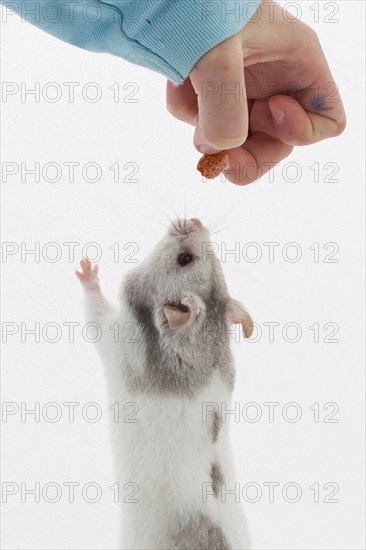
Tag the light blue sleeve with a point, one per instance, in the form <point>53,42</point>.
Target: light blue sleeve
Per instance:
<point>167,36</point>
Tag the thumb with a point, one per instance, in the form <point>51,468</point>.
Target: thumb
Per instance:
<point>218,80</point>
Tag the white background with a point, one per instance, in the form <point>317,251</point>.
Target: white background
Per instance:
<point>303,292</point>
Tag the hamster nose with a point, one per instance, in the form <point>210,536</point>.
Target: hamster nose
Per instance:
<point>197,222</point>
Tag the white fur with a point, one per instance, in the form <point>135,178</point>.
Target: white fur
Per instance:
<point>168,453</point>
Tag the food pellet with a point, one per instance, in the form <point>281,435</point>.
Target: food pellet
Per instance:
<point>211,166</point>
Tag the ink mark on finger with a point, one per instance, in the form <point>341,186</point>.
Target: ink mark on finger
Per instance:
<point>319,104</point>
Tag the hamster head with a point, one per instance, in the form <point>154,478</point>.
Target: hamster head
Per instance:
<point>183,278</point>
<point>182,262</point>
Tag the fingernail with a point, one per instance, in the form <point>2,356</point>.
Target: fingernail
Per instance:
<point>207,150</point>
<point>277,114</point>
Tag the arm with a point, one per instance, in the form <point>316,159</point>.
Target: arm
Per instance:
<point>97,308</point>
<point>166,36</point>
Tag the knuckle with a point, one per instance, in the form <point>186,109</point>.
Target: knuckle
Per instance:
<point>171,108</point>
<point>340,126</point>
<point>180,112</point>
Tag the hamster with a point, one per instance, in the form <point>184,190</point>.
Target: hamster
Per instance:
<point>171,362</point>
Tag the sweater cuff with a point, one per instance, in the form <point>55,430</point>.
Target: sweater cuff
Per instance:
<point>179,32</point>
<point>167,36</point>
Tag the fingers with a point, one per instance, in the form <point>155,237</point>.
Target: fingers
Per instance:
<point>308,116</point>
<point>218,81</point>
<point>87,270</point>
<point>181,101</point>
<point>254,159</point>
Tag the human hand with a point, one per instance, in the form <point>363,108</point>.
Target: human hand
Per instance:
<point>285,96</point>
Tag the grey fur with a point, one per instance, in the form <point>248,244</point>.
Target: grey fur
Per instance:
<point>200,533</point>
<point>178,362</point>
<point>216,425</point>
<point>217,478</point>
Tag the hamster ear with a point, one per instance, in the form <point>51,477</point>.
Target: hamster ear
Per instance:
<point>176,317</point>
<point>236,313</point>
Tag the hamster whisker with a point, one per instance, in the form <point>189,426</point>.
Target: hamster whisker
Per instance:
<point>212,233</point>
<point>175,227</point>
<point>164,213</point>
<point>184,202</point>
<point>220,230</point>
<point>216,223</point>
<point>217,227</point>
<point>170,220</point>
<point>178,222</point>
<point>213,225</point>
<point>161,223</point>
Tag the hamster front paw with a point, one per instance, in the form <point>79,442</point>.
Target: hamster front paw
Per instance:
<point>183,313</point>
<point>194,304</point>
<point>88,275</point>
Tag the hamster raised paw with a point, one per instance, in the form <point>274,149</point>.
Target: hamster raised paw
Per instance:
<point>169,366</point>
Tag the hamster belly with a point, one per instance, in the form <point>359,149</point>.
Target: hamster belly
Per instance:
<point>173,455</point>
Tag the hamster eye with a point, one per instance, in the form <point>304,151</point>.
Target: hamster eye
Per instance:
<point>185,259</point>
